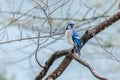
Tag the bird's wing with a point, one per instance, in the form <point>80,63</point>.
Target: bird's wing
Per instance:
<point>76,38</point>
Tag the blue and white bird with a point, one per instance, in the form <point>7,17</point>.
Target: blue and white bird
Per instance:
<point>73,37</point>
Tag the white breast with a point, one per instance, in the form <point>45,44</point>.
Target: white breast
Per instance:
<point>68,35</point>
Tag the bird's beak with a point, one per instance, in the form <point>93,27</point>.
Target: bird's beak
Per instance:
<point>67,27</point>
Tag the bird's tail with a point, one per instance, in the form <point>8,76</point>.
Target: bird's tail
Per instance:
<point>77,49</point>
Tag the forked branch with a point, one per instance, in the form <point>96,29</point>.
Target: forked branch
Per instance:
<point>86,36</point>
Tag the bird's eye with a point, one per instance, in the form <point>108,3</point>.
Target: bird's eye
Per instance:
<point>71,25</point>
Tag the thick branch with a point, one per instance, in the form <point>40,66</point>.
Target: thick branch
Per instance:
<point>61,68</point>
<point>88,35</point>
<point>100,27</point>
<point>53,57</point>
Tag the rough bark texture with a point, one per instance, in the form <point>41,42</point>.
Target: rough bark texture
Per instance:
<point>61,68</point>
<point>86,36</point>
<point>52,58</point>
<point>100,27</point>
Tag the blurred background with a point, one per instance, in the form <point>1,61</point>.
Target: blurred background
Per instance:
<point>28,27</point>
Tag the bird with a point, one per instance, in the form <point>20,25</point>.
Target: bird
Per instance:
<point>73,37</point>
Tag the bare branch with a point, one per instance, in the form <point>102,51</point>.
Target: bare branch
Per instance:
<point>88,35</point>
<point>36,51</point>
<point>89,67</point>
<point>93,31</point>
<point>50,61</point>
<point>109,53</point>
<point>30,38</point>
<point>17,18</point>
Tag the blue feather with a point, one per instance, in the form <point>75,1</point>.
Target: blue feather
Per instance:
<point>76,40</point>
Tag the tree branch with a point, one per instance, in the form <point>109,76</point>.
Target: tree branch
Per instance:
<point>88,66</point>
<point>86,36</point>
<point>61,68</point>
<point>100,27</point>
<point>52,58</point>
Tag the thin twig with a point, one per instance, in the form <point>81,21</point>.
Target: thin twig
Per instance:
<point>77,58</point>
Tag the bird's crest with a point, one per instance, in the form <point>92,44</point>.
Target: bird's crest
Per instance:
<point>70,25</point>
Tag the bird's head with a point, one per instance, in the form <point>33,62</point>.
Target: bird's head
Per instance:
<point>70,25</point>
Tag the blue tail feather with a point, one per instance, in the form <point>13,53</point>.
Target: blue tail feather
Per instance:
<point>77,45</point>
